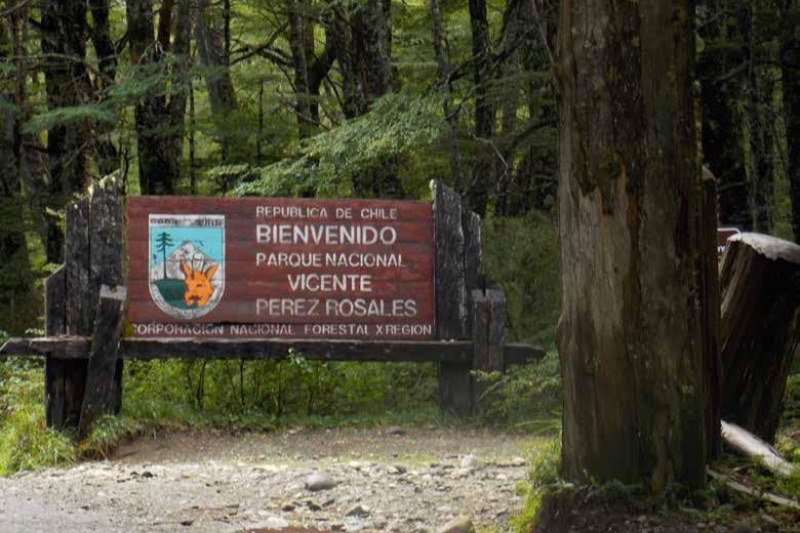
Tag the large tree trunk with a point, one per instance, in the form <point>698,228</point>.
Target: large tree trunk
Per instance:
<point>790,70</point>
<point>631,335</point>
<point>760,284</point>
<point>159,115</point>
<point>63,41</point>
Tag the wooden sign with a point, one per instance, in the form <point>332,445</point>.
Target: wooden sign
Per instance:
<point>269,267</point>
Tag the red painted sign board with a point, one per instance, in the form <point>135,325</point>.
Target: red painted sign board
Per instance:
<point>281,268</point>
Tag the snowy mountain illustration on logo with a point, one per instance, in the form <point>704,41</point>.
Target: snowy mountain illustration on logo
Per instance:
<point>187,263</point>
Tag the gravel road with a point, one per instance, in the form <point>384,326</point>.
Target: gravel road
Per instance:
<point>403,480</point>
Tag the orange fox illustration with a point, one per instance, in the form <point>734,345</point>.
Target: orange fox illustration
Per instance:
<point>198,285</point>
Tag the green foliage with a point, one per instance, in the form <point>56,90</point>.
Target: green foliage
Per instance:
<point>521,255</point>
<point>25,442</point>
<point>542,478</point>
<point>271,390</point>
<point>397,124</point>
<point>791,399</point>
<point>525,396</point>
<point>62,116</point>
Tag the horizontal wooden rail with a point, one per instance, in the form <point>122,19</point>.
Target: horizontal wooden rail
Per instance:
<point>71,347</point>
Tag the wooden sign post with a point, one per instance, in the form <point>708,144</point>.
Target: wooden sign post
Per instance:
<point>252,278</point>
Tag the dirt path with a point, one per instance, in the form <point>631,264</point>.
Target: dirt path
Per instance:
<point>404,481</point>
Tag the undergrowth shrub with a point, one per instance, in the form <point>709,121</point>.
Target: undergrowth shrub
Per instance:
<point>521,255</point>
<point>25,441</point>
<point>232,389</point>
<point>525,397</point>
<point>542,477</point>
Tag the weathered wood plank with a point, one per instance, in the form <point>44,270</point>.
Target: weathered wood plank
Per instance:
<point>106,252</point>
<point>451,290</point>
<point>481,315</point>
<point>79,309</point>
<point>455,389</point>
<point>67,347</point>
<point>473,269</point>
<point>196,348</point>
<point>54,324</point>
<point>99,397</point>
<point>55,302</point>
<point>521,354</point>
<point>496,336</point>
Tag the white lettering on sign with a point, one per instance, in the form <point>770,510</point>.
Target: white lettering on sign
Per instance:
<point>325,234</point>
<point>330,282</point>
<point>290,211</point>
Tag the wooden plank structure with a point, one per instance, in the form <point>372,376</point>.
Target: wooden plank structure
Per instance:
<point>84,345</point>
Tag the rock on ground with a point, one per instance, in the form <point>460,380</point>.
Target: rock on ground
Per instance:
<point>214,482</point>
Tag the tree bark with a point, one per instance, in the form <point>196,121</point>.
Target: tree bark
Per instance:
<point>790,71</point>
<point>483,173</point>
<point>723,123</point>
<point>160,114</point>
<point>221,93</point>
<point>19,304</point>
<point>361,40</point>
<point>309,69</point>
<point>631,333</point>
<point>63,41</point>
<point>442,72</point>
<point>760,284</point>
<point>106,153</point>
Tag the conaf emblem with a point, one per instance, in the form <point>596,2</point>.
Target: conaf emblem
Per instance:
<point>187,263</point>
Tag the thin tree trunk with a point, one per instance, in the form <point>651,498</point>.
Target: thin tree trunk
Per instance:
<point>260,133</point>
<point>723,124</point>
<point>630,337</point>
<point>212,51</point>
<point>299,28</point>
<point>192,129</point>
<point>790,70</point>
<point>481,184</point>
<point>361,40</point>
<point>442,72</point>
<point>19,304</point>
<point>159,115</point>
<point>63,41</point>
<point>107,158</point>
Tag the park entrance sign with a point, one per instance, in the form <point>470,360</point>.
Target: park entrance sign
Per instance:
<point>149,278</point>
<point>281,268</point>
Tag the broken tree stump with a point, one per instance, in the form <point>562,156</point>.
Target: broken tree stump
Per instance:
<point>760,287</point>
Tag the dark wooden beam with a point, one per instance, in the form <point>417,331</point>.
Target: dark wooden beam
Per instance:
<point>71,347</point>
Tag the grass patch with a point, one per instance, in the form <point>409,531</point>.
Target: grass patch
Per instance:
<point>25,441</point>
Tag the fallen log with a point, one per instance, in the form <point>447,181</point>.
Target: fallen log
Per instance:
<point>747,444</point>
<point>760,328</point>
<point>744,489</point>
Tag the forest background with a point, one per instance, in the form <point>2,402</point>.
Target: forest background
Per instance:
<point>346,98</point>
